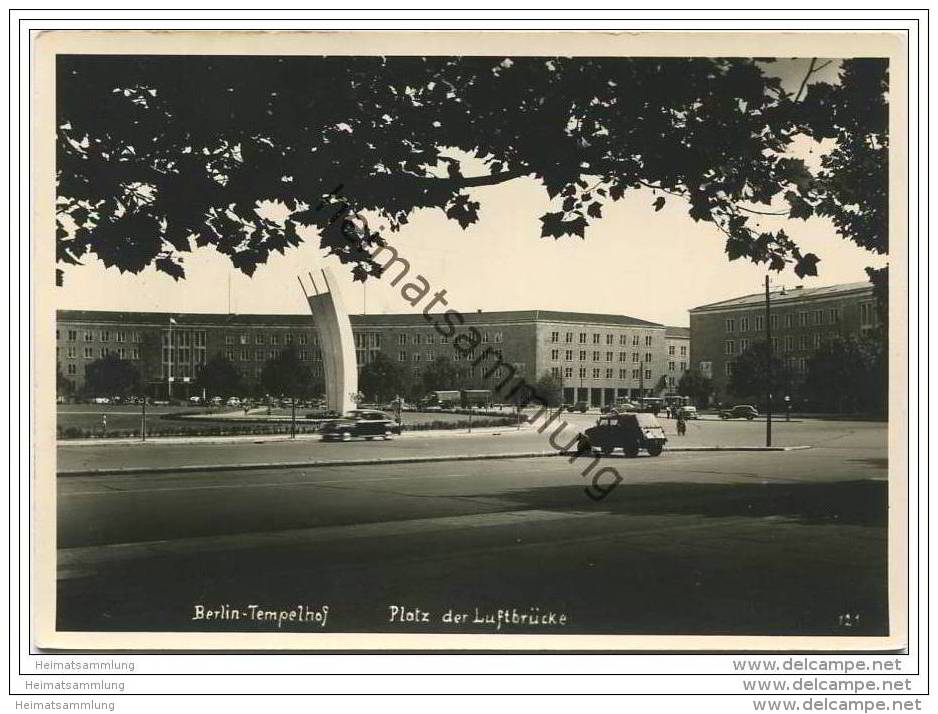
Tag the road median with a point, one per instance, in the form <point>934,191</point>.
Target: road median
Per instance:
<point>326,463</point>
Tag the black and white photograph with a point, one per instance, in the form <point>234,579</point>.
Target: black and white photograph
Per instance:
<point>472,341</point>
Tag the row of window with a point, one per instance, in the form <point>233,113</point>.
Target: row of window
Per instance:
<point>597,356</point>
<point>429,355</point>
<point>598,373</point>
<point>71,352</point>
<point>430,338</point>
<point>788,343</point>
<point>272,339</point>
<point>795,365</point>
<point>103,335</point>
<point>597,338</point>
<point>671,350</point>
<point>263,355</point>
<point>804,318</point>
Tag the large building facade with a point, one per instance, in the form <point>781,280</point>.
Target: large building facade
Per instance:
<point>800,319</point>
<point>597,357</point>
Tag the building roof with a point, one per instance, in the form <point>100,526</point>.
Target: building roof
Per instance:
<point>789,295</point>
<point>378,320</point>
<point>672,331</point>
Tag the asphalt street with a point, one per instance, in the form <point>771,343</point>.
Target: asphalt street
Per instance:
<point>687,543</point>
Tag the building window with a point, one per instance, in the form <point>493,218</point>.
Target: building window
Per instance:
<point>444,340</point>
<point>818,317</point>
<point>135,353</point>
<point>486,337</point>
<point>554,336</point>
<point>635,356</point>
<point>596,338</point>
<point>416,339</point>
<point>609,356</point>
<point>428,340</point>
<point>288,339</point>
<point>595,372</point>
<point>648,356</point>
<point>623,356</point>
<point>568,355</point>
<point>729,347</point>
<point>731,325</point>
<point>568,372</point>
<point>803,319</point>
<point>803,342</point>
<point>671,350</point>
<point>623,339</point>
<point>647,374</point>
<point>683,350</point>
<point>568,337</point>
<point>555,355</point>
<point>429,355</point>
<point>498,337</point>
<point>415,356</point>
<point>790,319</point>
<point>89,336</point>
<point>635,373</point>
<point>866,314</point>
<point>760,323</point>
<point>609,372</point>
<point>229,339</point>
<point>728,369</point>
<point>774,322</point>
<point>402,355</point>
<point>817,340</point>
<point>89,352</point>
<point>258,339</point>
<point>582,355</point>
<point>275,339</point>
<point>72,335</point>
<point>834,315</point>
<point>647,340</point>
<point>304,339</point>
<point>596,355</point>
<point>402,339</point>
<point>608,339</point>
<point>774,344</point>
<point>683,366</point>
<point>244,356</point>
<point>582,338</point>
<point>70,368</point>
<point>555,371</point>
<point>623,374</point>
<point>259,355</point>
<point>743,345</point>
<point>136,337</point>
<point>582,372</point>
<point>744,324</point>
<point>121,336</point>
<point>634,340</point>
<point>670,366</point>
<point>789,343</point>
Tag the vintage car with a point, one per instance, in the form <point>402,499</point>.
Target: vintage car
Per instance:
<point>688,413</point>
<point>629,432</point>
<point>740,411</point>
<point>365,423</point>
<point>578,407</point>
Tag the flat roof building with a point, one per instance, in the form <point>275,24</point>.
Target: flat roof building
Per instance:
<point>800,320</point>
<point>597,357</point>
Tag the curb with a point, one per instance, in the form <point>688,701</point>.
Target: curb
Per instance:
<point>133,470</point>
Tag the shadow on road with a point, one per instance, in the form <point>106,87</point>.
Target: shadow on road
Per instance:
<point>862,503</point>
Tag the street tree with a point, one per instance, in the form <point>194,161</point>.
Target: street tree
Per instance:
<point>219,378</point>
<point>63,385</point>
<point>696,386</point>
<point>287,376</point>
<point>848,375</point>
<point>441,373</point>
<point>549,389</point>
<point>112,376</point>
<point>750,378</point>
<point>159,155</point>
<point>383,379</point>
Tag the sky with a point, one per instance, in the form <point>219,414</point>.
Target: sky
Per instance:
<point>635,261</point>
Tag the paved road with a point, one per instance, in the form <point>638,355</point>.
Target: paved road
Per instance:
<point>260,450</point>
<point>742,543</point>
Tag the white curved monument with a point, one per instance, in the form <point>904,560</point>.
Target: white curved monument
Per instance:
<point>336,342</point>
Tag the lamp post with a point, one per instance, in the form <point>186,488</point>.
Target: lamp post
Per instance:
<point>768,366</point>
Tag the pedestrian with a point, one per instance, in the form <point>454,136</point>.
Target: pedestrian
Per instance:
<point>681,425</point>
<point>104,423</point>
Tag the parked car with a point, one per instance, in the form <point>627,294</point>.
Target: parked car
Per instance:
<point>740,411</point>
<point>629,432</point>
<point>101,400</point>
<point>233,402</point>
<point>578,407</point>
<point>688,413</point>
<point>364,423</point>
